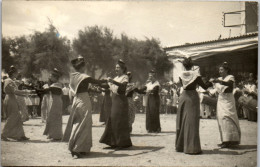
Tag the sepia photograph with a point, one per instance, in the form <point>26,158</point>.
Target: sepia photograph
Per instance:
<point>129,83</point>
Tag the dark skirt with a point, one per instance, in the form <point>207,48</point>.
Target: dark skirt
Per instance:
<point>153,114</point>
<point>117,133</point>
<point>187,128</point>
<point>66,103</point>
<point>105,108</point>
<point>252,110</point>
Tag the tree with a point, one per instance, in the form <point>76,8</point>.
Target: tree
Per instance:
<point>7,59</point>
<point>96,45</point>
<point>101,50</point>
<point>50,51</point>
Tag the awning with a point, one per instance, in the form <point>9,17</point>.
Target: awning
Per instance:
<point>206,50</point>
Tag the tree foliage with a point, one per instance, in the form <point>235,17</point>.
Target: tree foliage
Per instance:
<point>7,59</point>
<point>98,45</point>
<point>101,50</point>
<point>41,50</point>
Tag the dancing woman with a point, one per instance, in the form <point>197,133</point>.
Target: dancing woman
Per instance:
<point>53,128</point>
<point>79,127</point>
<point>151,89</point>
<point>45,104</point>
<point>13,127</point>
<point>106,105</point>
<point>131,107</point>
<point>229,129</point>
<point>188,112</point>
<point>117,134</point>
<point>21,100</point>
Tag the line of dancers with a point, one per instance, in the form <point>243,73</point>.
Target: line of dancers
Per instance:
<point>78,132</point>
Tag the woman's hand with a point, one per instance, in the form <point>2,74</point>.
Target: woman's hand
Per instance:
<point>110,79</point>
<point>215,80</point>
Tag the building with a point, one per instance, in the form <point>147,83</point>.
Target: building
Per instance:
<point>240,52</point>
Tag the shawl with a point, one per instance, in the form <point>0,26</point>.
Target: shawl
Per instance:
<point>75,79</point>
<point>221,88</point>
<point>121,79</point>
<point>150,86</point>
<point>188,77</point>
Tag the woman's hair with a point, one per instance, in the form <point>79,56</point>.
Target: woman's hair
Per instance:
<point>11,71</point>
<point>226,67</point>
<point>187,63</point>
<point>129,74</point>
<point>78,63</point>
<point>122,66</point>
<point>56,73</point>
<point>79,66</point>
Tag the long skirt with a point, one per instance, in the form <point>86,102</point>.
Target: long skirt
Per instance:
<point>117,132</point>
<point>227,118</point>
<point>45,106</point>
<point>187,127</point>
<point>66,103</point>
<point>105,108</point>
<point>53,128</point>
<point>23,108</point>
<point>131,111</point>
<point>153,114</point>
<point>252,110</point>
<point>13,127</point>
<point>79,128</point>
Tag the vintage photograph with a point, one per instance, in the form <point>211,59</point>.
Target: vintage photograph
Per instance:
<point>129,83</point>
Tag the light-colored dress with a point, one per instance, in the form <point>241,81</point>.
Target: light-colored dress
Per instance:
<point>79,127</point>
<point>53,128</point>
<point>46,103</point>
<point>226,113</point>
<point>22,105</point>
<point>13,127</point>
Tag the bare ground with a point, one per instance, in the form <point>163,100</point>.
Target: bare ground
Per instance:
<point>148,150</point>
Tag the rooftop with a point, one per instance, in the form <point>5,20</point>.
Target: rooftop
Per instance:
<point>212,41</point>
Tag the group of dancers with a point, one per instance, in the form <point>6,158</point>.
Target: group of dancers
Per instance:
<point>78,132</point>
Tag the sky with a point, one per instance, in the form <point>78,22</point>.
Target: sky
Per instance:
<point>172,23</point>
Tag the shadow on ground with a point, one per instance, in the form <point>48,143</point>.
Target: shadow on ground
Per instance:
<point>163,133</point>
<point>231,151</point>
<point>115,154</point>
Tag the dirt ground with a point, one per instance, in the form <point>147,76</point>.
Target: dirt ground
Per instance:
<point>148,150</point>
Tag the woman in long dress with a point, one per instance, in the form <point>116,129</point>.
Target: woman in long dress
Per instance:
<point>188,112</point>
<point>229,128</point>
<point>13,127</point>
<point>117,134</point>
<point>131,106</point>
<point>79,127</point>
<point>105,106</point>
<point>53,128</point>
<point>45,104</point>
<point>21,101</point>
<point>151,89</point>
